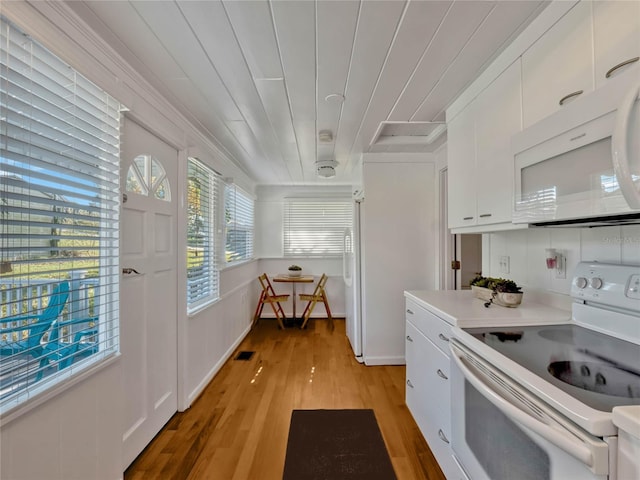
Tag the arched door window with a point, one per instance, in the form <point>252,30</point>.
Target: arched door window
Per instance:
<point>146,176</point>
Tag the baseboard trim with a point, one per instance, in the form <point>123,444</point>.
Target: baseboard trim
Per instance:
<point>195,393</point>
<point>391,360</point>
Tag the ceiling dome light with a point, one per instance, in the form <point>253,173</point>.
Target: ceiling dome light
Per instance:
<point>326,168</point>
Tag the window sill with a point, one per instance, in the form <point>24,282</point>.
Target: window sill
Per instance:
<point>203,306</point>
<point>239,263</point>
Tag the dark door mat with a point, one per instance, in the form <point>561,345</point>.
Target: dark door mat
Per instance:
<point>244,355</point>
<point>336,445</point>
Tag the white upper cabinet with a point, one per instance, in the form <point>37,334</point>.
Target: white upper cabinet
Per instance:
<point>616,27</point>
<point>461,159</point>
<point>479,154</point>
<point>558,68</point>
<point>498,117</point>
<point>564,57</point>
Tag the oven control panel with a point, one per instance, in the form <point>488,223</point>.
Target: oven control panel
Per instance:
<point>609,284</point>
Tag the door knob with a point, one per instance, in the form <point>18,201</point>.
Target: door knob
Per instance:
<point>129,271</point>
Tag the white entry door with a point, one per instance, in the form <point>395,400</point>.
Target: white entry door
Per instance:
<point>148,318</point>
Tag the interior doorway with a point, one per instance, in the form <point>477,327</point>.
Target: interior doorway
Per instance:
<point>469,254</point>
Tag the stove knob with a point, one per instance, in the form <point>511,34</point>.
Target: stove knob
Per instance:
<point>581,282</point>
<point>596,282</point>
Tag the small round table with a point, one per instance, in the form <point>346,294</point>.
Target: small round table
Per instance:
<point>293,280</point>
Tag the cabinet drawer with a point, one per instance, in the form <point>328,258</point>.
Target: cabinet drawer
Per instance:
<point>431,326</point>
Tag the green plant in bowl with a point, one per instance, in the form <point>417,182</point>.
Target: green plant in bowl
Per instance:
<point>295,270</point>
<point>502,291</point>
<point>496,284</point>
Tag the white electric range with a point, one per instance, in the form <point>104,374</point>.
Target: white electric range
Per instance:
<point>535,402</point>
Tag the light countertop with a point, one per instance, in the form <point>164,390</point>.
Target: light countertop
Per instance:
<point>460,308</point>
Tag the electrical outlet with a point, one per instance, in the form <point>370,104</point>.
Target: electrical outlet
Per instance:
<point>504,264</point>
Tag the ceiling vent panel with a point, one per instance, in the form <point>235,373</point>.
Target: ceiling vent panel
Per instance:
<point>401,134</point>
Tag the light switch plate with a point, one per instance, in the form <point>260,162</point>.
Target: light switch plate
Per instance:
<point>504,264</point>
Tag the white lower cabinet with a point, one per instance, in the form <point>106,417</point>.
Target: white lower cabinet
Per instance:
<point>428,393</point>
<point>459,473</point>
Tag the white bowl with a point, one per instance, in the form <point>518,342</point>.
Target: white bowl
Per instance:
<point>507,299</point>
<point>295,273</point>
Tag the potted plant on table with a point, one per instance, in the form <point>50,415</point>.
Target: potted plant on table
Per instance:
<point>295,271</point>
<point>501,291</point>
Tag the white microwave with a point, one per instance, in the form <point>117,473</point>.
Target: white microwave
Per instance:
<point>581,165</point>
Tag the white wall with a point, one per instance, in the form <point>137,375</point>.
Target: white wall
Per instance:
<point>74,435</point>
<point>526,251</point>
<point>214,332</point>
<point>398,238</point>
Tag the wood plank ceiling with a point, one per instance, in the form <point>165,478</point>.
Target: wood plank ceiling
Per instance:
<point>263,78</point>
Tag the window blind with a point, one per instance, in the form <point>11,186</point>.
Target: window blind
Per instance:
<point>239,224</point>
<point>202,268</point>
<point>59,206</point>
<point>315,227</point>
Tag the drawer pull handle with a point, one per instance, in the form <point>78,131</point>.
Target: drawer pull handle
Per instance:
<point>442,375</point>
<point>443,338</point>
<point>468,218</point>
<point>409,312</point>
<point>442,436</point>
<point>620,65</point>
<point>571,95</point>
<point>409,338</point>
<point>409,383</point>
<point>485,215</point>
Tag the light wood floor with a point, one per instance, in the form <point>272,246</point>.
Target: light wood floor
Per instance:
<point>237,429</point>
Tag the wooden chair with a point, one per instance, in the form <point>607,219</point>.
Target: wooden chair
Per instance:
<point>268,295</point>
<point>318,295</point>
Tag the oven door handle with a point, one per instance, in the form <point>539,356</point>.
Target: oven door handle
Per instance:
<point>561,438</point>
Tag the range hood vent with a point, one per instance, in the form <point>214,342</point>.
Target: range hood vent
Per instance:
<point>593,222</point>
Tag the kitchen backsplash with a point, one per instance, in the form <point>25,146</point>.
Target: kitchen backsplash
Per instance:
<point>526,252</point>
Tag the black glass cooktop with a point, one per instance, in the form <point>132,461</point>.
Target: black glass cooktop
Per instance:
<point>597,369</point>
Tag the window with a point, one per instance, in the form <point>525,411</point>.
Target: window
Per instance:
<point>202,269</point>
<point>59,204</point>
<point>315,227</point>
<point>146,176</point>
<point>239,221</point>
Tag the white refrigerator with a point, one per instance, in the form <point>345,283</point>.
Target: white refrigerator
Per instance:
<point>352,280</point>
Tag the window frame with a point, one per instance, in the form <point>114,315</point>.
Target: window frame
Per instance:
<point>60,181</point>
<point>210,280</point>
<point>241,213</point>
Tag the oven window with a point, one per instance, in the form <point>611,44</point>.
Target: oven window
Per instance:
<point>499,445</point>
